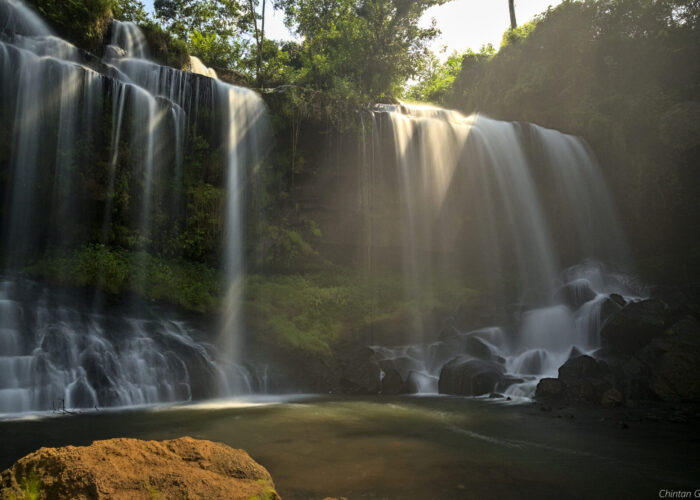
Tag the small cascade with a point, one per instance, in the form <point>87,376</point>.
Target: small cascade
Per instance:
<point>129,37</point>
<point>59,108</point>
<point>505,204</point>
<point>18,19</point>
<point>57,352</point>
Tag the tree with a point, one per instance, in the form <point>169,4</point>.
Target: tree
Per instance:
<point>130,10</point>
<point>211,28</point>
<point>362,49</point>
<point>436,79</point>
<point>258,33</point>
<point>513,22</point>
<point>181,17</point>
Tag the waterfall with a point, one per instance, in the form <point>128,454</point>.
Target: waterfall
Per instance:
<point>53,104</point>
<point>57,351</point>
<point>129,37</point>
<point>508,206</point>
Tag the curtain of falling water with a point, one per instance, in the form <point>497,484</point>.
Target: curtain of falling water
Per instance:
<point>505,204</point>
<point>51,104</point>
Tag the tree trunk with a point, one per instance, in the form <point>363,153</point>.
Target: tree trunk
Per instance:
<point>513,23</point>
<point>259,37</point>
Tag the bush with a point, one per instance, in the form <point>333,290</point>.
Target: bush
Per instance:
<point>165,48</point>
<point>191,285</point>
<point>82,22</point>
<point>314,312</point>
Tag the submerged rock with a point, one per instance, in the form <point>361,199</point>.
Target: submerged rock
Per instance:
<point>470,377</point>
<point>134,469</point>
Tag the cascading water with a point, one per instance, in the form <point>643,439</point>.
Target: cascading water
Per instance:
<point>506,204</point>
<point>52,103</point>
<point>58,352</point>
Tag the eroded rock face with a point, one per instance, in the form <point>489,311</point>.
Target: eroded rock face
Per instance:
<point>133,469</point>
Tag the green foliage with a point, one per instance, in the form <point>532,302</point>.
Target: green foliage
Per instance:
<point>130,10</point>
<point>514,35</point>
<point>285,246</point>
<point>210,28</point>
<point>181,17</point>
<point>83,22</point>
<point>268,492</point>
<point>215,50</point>
<point>436,78</point>
<point>314,312</point>
<point>188,284</point>
<point>152,491</point>
<point>280,63</point>
<point>204,222</point>
<point>164,47</point>
<point>361,50</point>
<point>31,488</point>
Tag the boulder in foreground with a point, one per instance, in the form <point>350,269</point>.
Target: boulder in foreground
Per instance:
<point>134,469</point>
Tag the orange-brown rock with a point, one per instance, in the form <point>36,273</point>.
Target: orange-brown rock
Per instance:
<point>134,469</point>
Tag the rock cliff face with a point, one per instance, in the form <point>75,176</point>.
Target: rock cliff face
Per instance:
<point>134,469</point>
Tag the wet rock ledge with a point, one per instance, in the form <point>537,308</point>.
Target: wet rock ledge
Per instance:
<point>134,469</point>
